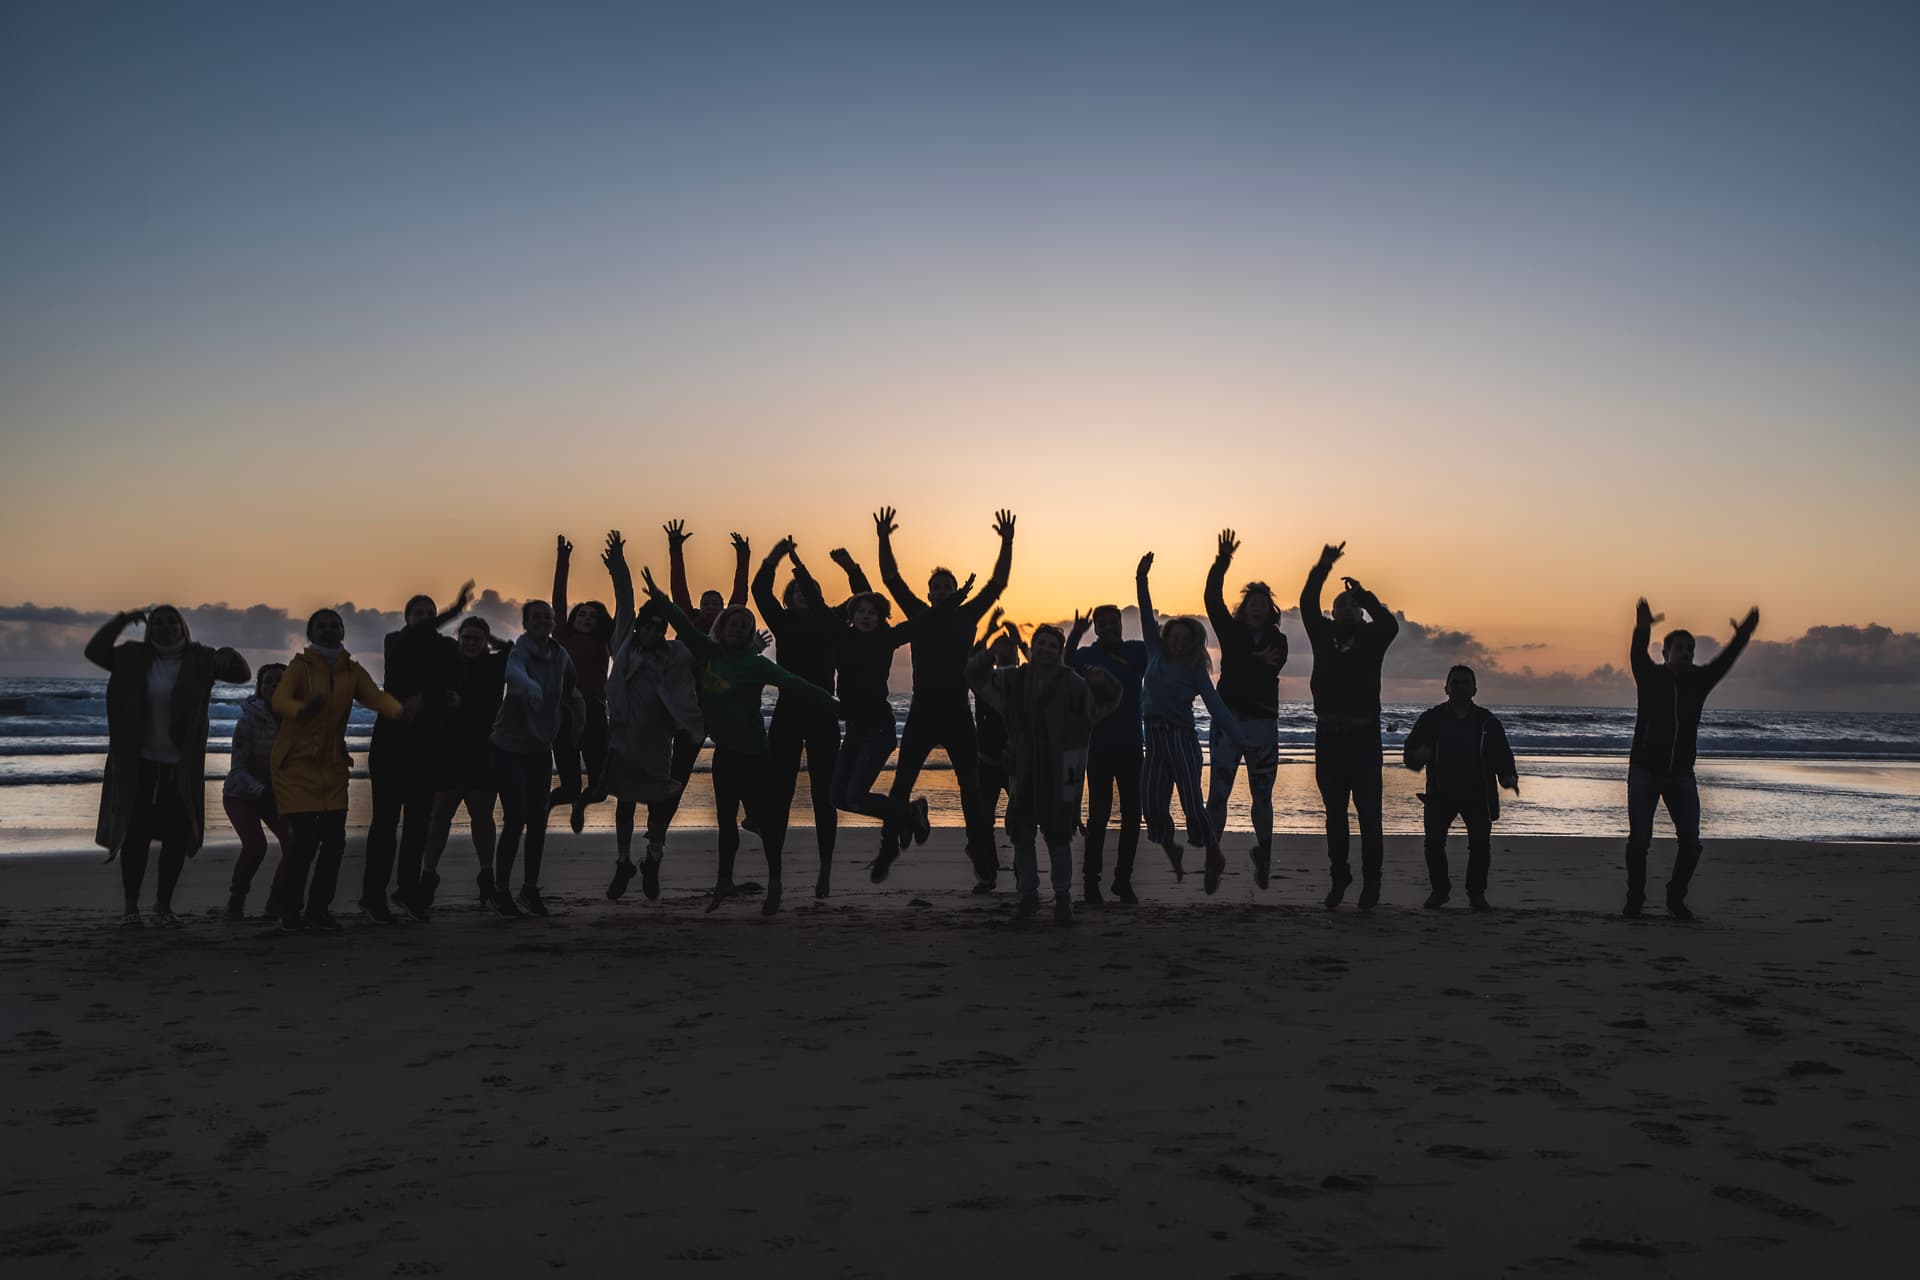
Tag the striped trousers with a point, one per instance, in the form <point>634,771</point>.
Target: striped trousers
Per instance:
<point>1172,764</point>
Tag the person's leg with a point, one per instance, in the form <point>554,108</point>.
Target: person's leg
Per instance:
<point>686,753</point>
<point>176,834</point>
<point>326,872</point>
<point>823,758</point>
<point>1330,773</point>
<point>728,790</point>
<point>538,778</point>
<point>1186,779</point>
<point>1100,766</point>
<point>623,811</point>
<point>779,768</point>
<point>1682,794</point>
<point>510,776</point>
<point>440,826</point>
<point>290,890</point>
<point>1438,819</point>
<point>1224,766</point>
<point>758,787</point>
<point>480,825</point>
<point>283,833</point>
<point>962,740</point>
<point>1368,785</point>
<point>1026,866</point>
<point>1263,762</point>
<point>416,817</point>
<point>139,837</point>
<point>566,769</point>
<point>1126,781</point>
<point>917,741</point>
<point>1479,850</point>
<point>593,749</point>
<point>1156,774</point>
<point>1643,793</point>
<point>389,795</point>
<point>1060,853</point>
<point>243,812</point>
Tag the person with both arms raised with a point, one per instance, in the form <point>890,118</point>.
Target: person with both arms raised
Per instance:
<point>686,748</point>
<point>585,631</point>
<point>1113,749</point>
<point>1666,730</point>
<point>1252,651</point>
<point>1463,747</point>
<point>940,715</point>
<point>1348,650</point>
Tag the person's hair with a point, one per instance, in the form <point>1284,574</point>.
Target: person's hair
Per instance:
<point>941,571</point>
<point>260,676</point>
<point>526,609</point>
<point>1461,666</point>
<point>1346,598</point>
<point>1099,609</point>
<point>720,623</point>
<point>653,611</point>
<point>420,599</point>
<point>603,621</point>
<point>1256,588</point>
<point>1201,659</point>
<point>472,621</point>
<point>712,595</point>
<point>178,617</point>
<point>318,614</point>
<point>881,605</point>
<point>1051,630</point>
<point>795,585</point>
<point>1679,633</point>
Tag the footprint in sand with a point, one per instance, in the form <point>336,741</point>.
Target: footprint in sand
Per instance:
<point>1777,1207</point>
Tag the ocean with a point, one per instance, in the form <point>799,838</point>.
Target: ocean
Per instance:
<point>1763,774</point>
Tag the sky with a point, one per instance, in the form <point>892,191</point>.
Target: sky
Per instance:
<point>1539,308</point>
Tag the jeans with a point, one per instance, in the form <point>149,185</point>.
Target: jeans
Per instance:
<point>402,808</point>
<point>1262,753</point>
<point>1026,864</point>
<point>1115,768</point>
<point>1346,763</point>
<point>796,728</point>
<point>946,720</point>
<point>589,744</point>
<point>319,842</point>
<point>740,783</point>
<point>1441,810</point>
<point>252,818</point>
<point>1645,791</point>
<point>863,754</point>
<point>522,777</point>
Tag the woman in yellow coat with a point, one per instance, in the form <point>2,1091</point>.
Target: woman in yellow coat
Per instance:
<point>310,760</point>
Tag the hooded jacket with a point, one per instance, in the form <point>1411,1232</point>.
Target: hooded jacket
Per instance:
<point>730,685</point>
<point>1250,659</point>
<point>541,696</point>
<point>250,767</point>
<point>1666,728</point>
<point>127,666</point>
<point>1048,721</point>
<point>310,760</point>
<point>1346,663</point>
<point>1470,753</point>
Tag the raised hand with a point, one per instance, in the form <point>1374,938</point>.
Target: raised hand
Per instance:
<point>1146,565</point>
<point>993,620</point>
<point>1003,523</point>
<point>739,543</point>
<point>651,587</point>
<point>783,548</point>
<point>1081,621</point>
<point>616,552</point>
<point>1013,632</point>
<point>1330,553</point>
<point>1748,623</point>
<point>1228,544</point>
<point>676,532</point>
<point>966,589</point>
<point>883,522</point>
<point>765,638</point>
<point>1644,614</point>
<point>136,617</point>
<point>840,556</point>
<point>562,547</point>
<point>1353,585</point>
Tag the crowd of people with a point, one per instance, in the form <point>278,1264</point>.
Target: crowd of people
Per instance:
<point>589,705</point>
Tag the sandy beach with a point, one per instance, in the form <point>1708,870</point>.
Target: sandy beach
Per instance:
<point>898,1080</point>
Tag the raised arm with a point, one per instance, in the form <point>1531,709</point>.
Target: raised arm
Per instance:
<point>677,536</point>
<point>856,576</point>
<point>1217,616</point>
<point>809,585</point>
<point>1742,632</point>
<point>702,644</point>
<point>1081,622</point>
<point>374,698</point>
<point>615,558</point>
<point>801,687</point>
<point>100,649</point>
<point>458,607</point>
<point>1149,629</point>
<point>1311,618</point>
<point>764,598</point>
<point>1002,567</point>
<point>1383,626</point>
<point>741,551</point>
<point>986,682</point>
<point>562,556</point>
<point>910,604</point>
<point>1638,659</point>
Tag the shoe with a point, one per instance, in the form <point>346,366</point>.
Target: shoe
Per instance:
<point>720,894</point>
<point>272,908</point>
<point>291,923</point>
<point>1176,856</point>
<point>1478,901</point>
<point>132,920</point>
<point>1369,894</point>
<point>770,905</point>
<point>986,877</point>
<point>578,818</point>
<point>1677,908</point>
<point>1338,889</point>
<point>1028,906</point>
<point>530,900</point>
<point>1437,899</point>
<point>1090,894</point>
<point>623,872</point>
<point>485,881</point>
<point>1062,911</point>
<point>1123,893</point>
<point>1262,856</point>
<point>377,912</point>
<point>168,920</point>
<point>236,906</point>
<point>323,922</point>
<point>650,873</point>
<point>882,864</point>
<point>502,903</point>
<point>1632,910</point>
<point>1216,864</point>
<point>416,908</point>
<point>397,901</point>
<point>922,821</point>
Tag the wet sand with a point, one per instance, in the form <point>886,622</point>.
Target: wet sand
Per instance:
<point>899,1080</point>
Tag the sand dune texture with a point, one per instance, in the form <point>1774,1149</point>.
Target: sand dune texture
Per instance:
<point>901,1082</point>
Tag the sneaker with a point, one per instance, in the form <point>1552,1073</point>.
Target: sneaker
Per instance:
<point>1090,894</point>
<point>322,921</point>
<point>415,906</point>
<point>502,903</point>
<point>1632,910</point>
<point>1478,901</point>
<point>132,920</point>
<point>770,905</point>
<point>377,912</point>
<point>1369,894</point>
<point>986,880</point>
<point>882,864</point>
<point>397,901</point>
<point>273,907</point>
<point>485,881</point>
<point>1437,899</point>
<point>650,873</point>
<point>1176,857</point>
<point>530,900</point>
<point>1216,864</point>
<point>922,821</point>
<point>1028,906</point>
<point>1062,911</point>
<point>290,922</point>
<point>236,906</point>
<point>1338,889</point>
<point>623,872</point>
<point>578,818</point>
<point>1677,908</point>
<point>1262,856</point>
<point>165,919</point>
<point>1123,893</point>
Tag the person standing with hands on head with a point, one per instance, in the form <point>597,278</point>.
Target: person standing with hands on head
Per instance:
<point>1348,650</point>
<point>1252,651</point>
<point>1178,672</point>
<point>155,787</point>
<point>1113,749</point>
<point>1666,730</point>
<point>1463,747</point>
<point>585,631</point>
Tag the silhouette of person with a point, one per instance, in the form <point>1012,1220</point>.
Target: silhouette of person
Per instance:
<point>1348,650</point>
<point>1003,645</point>
<point>807,632</point>
<point>1178,668</point>
<point>731,677</point>
<point>940,715</point>
<point>1252,652</point>
<point>247,794</point>
<point>587,635</point>
<point>310,763</point>
<point>1666,729</point>
<point>155,786</point>
<point>462,764</point>
<point>653,696</point>
<point>1049,710</point>
<point>400,764</point>
<point>542,704</point>
<point>1113,749</point>
<point>1463,747</point>
<point>686,749</point>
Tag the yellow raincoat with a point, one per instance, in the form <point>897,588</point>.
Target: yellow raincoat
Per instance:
<point>310,757</point>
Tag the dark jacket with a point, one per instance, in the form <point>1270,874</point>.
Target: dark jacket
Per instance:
<point>1249,674</point>
<point>1048,723</point>
<point>1470,753</point>
<point>805,640</point>
<point>1346,663</point>
<point>941,651</point>
<point>1667,727</point>
<point>418,661</point>
<point>1128,667</point>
